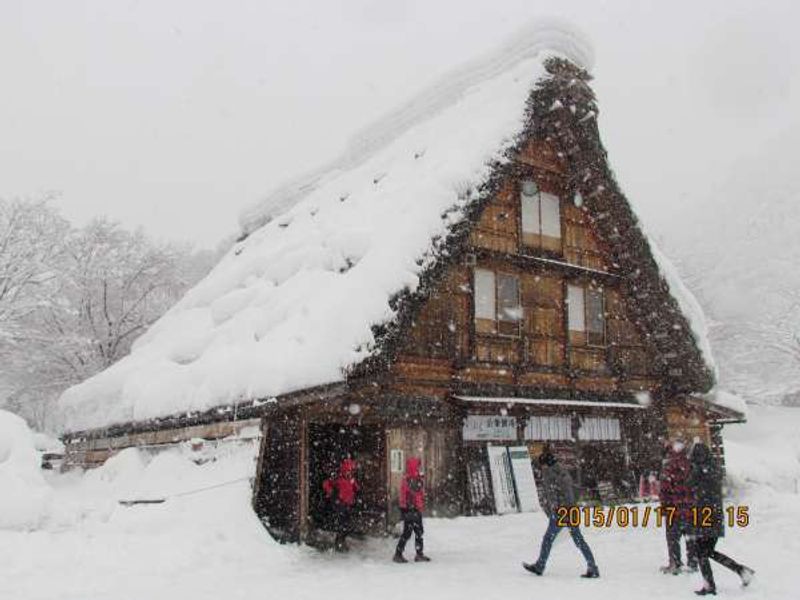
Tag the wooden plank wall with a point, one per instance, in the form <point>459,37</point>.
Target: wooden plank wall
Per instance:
<point>628,353</point>
<point>687,424</point>
<point>581,244</point>
<point>438,449</point>
<point>280,500</point>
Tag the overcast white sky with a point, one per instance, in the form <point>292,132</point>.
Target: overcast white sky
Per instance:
<point>175,115</point>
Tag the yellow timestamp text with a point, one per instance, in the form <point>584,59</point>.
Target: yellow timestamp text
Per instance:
<point>660,516</point>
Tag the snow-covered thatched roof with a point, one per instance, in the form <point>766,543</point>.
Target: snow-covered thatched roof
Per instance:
<point>296,302</point>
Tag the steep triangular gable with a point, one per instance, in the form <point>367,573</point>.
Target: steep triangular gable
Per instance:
<point>562,115</point>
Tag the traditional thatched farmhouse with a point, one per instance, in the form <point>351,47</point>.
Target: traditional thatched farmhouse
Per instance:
<point>468,276</point>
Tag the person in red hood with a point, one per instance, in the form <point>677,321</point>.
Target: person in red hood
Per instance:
<point>676,499</point>
<point>341,492</point>
<point>412,503</point>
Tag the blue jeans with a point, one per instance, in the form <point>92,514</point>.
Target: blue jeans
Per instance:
<point>550,535</point>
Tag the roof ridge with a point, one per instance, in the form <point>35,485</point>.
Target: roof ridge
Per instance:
<point>541,36</point>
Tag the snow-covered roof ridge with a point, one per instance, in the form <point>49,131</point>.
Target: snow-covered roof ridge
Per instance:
<point>538,37</point>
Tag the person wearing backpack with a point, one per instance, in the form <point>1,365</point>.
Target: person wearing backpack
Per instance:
<point>705,482</point>
<point>341,494</point>
<point>412,503</point>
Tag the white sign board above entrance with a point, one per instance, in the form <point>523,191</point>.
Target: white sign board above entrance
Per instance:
<point>489,427</point>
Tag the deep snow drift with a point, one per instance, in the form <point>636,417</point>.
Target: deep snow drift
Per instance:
<point>24,495</point>
<point>209,545</point>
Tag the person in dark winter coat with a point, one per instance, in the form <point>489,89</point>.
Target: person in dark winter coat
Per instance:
<point>341,492</point>
<point>676,496</point>
<point>705,482</point>
<point>557,491</point>
<point>412,503</point>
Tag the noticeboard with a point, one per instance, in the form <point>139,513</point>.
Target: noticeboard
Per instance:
<point>490,427</point>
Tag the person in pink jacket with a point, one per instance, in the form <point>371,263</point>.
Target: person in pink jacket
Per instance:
<point>412,504</point>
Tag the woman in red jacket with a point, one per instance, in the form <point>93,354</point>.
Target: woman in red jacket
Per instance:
<point>412,503</point>
<point>341,492</point>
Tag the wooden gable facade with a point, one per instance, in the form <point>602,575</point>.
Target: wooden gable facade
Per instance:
<point>534,344</point>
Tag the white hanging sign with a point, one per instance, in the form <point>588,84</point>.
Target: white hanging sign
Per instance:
<point>396,460</point>
<point>489,427</point>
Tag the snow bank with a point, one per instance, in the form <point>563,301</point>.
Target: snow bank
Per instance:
<point>45,442</point>
<point>764,453</point>
<point>293,304</point>
<point>174,475</point>
<point>24,494</point>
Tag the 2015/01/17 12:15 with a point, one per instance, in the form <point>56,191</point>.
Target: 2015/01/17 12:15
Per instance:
<point>625,516</point>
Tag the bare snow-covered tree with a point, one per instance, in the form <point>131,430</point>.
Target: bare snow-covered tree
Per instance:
<point>119,283</point>
<point>32,239</point>
<point>107,285</point>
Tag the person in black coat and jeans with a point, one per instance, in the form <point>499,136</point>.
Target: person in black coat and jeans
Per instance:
<point>558,492</point>
<point>705,483</point>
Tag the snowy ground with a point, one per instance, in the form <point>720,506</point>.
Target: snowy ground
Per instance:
<point>209,545</point>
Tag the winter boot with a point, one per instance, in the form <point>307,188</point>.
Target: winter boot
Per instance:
<point>747,576</point>
<point>671,569</point>
<point>533,568</point>
<point>420,557</point>
<point>591,573</point>
<point>706,591</point>
<point>399,558</point>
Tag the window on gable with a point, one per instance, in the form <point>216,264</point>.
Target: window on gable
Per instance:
<point>541,217</point>
<point>497,303</point>
<point>586,316</point>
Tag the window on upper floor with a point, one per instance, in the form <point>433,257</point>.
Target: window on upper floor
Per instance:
<point>586,316</point>
<point>497,303</point>
<point>541,217</point>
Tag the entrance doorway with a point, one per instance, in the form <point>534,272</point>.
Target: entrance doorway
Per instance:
<point>328,445</point>
<point>602,473</point>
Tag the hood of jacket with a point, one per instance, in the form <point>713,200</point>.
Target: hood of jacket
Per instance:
<point>347,468</point>
<point>412,466</point>
<point>701,454</point>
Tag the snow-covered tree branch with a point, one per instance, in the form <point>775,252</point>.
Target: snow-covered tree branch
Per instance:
<point>72,301</point>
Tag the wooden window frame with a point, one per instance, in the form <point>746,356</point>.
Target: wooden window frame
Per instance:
<point>497,333</point>
<point>586,288</point>
<point>539,234</point>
